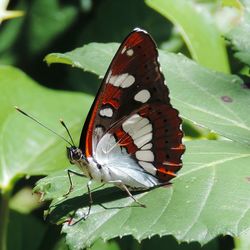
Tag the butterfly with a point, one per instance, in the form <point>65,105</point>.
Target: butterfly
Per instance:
<point>132,136</point>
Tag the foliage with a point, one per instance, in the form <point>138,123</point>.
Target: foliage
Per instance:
<point>210,196</point>
<point>199,32</point>
<point>240,37</point>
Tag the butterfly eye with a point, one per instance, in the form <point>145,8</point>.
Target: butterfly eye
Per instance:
<point>74,154</point>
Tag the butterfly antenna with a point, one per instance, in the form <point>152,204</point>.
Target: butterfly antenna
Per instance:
<point>35,120</point>
<point>64,125</point>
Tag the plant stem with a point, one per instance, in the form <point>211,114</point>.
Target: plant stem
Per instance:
<point>4,218</point>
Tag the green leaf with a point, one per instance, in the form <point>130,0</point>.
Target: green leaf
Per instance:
<point>211,99</point>
<point>198,30</point>
<point>240,37</point>
<point>26,148</point>
<point>94,57</point>
<point>209,197</point>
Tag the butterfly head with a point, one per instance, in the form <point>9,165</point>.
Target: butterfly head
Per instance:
<point>74,154</point>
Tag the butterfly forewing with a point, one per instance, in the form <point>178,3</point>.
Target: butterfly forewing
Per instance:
<point>133,105</point>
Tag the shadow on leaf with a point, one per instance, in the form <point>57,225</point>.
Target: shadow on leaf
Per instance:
<point>61,211</point>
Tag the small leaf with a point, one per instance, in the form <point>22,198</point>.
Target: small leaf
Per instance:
<point>94,57</point>
<point>209,197</point>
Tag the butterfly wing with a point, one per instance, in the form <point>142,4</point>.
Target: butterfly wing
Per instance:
<point>133,106</point>
<point>150,138</point>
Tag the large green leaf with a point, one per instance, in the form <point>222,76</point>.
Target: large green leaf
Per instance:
<point>209,197</point>
<point>198,30</point>
<point>27,149</point>
<point>211,99</point>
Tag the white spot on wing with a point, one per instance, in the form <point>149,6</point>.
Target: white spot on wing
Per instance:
<point>123,80</point>
<point>145,155</point>
<point>139,129</point>
<point>109,75</point>
<point>108,112</point>
<point>128,81</point>
<point>142,96</point>
<point>124,49</point>
<point>143,140</point>
<point>130,122</point>
<point>149,167</point>
<point>130,52</point>
<point>118,80</point>
<point>147,146</point>
<point>140,124</point>
<point>98,133</point>
<point>144,131</point>
<point>112,80</point>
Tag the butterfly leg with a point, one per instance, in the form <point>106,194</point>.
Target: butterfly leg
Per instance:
<point>90,199</point>
<point>120,184</point>
<point>85,216</point>
<point>70,180</point>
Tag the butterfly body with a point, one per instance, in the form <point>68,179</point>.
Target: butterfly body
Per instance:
<point>132,136</point>
<point>118,169</point>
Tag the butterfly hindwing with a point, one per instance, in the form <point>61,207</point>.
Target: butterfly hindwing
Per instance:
<point>153,138</point>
